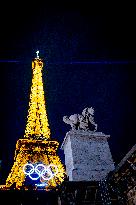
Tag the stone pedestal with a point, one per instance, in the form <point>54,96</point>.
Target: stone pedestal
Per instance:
<point>87,155</point>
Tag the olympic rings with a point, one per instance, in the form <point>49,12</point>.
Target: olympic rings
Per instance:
<point>42,171</point>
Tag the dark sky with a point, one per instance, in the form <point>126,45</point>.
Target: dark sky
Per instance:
<point>90,60</point>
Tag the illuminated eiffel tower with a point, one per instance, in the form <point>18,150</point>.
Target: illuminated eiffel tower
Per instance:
<point>36,163</point>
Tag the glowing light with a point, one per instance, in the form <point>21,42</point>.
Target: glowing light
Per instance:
<point>37,52</point>
<point>43,171</point>
<point>37,126</point>
<point>36,147</point>
<point>41,185</point>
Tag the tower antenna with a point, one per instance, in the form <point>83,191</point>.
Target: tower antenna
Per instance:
<point>37,54</point>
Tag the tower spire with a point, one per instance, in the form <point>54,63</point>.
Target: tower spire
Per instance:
<point>37,126</point>
<point>37,53</point>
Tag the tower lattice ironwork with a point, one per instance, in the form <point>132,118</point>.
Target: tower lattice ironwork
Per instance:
<point>36,163</point>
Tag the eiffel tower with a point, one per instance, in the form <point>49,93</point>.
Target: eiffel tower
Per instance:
<point>36,163</point>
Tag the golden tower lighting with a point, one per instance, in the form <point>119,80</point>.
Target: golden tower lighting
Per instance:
<point>36,162</point>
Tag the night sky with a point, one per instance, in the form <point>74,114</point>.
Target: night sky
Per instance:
<point>89,59</point>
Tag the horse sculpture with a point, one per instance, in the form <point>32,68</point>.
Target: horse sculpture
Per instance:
<point>84,121</point>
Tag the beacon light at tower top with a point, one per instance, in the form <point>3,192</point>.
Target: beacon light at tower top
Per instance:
<point>37,126</point>
<point>37,52</point>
